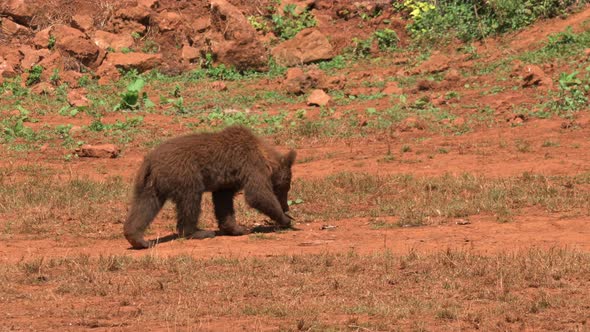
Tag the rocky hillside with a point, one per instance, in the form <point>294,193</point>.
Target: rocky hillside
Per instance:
<point>106,37</point>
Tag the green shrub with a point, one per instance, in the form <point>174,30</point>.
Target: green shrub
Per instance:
<point>288,25</point>
<point>435,21</point>
<point>387,39</point>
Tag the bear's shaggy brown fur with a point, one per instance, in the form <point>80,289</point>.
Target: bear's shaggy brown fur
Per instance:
<point>225,162</point>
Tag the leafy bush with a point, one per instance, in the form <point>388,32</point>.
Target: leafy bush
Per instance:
<point>288,25</point>
<point>435,21</point>
<point>387,39</point>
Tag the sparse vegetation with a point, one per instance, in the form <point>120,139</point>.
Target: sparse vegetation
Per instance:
<point>287,25</point>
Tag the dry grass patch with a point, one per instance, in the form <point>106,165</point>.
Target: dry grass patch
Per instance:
<point>538,289</point>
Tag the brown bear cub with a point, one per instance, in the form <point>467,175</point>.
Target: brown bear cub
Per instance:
<point>183,168</point>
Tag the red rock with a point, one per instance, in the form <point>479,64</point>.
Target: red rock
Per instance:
<point>20,11</point>
<point>190,54</point>
<point>307,46</point>
<point>139,14</point>
<point>392,88</point>
<point>436,64</point>
<point>219,86</point>
<point>295,81</point>
<point>148,3</point>
<point>82,22</point>
<point>75,43</point>
<point>140,61</point>
<point>233,40</point>
<point>107,73</point>
<point>117,42</point>
<point>318,98</point>
<point>201,24</point>
<point>532,75</point>
<point>6,69</point>
<point>52,60</point>
<point>41,39</point>
<point>98,151</point>
<point>411,123</point>
<point>77,98</point>
<point>167,21</point>
<point>31,56</point>
<point>425,85</point>
<point>10,28</point>
<point>458,122</point>
<point>452,75</point>
<point>334,83</point>
<point>71,77</point>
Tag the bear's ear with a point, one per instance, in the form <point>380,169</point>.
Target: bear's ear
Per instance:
<point>289,158</point>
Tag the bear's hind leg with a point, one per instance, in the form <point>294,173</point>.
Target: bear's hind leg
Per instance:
<point>223,202</point>
<point>188,210</point>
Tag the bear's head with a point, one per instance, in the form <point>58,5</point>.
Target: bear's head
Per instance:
<point>281,178</point>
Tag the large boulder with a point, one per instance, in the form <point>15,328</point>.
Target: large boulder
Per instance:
<point>307,46</point>
<point>10,28</point>
<point>20,11</point>
<point>75,43</point>
<point>233,41</point>
<point>6,69</point>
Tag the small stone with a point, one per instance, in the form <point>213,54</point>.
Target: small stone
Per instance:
<point>318,98</point>
<point>452,75</point>
<point>392,88</point>
<point>190,54</point>
<point>458,122</point>
<point>98,151</point>
<point>77,98</point>
<point>219,86</point>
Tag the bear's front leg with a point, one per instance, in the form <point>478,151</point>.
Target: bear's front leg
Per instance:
<point>223,202</point>
<point>264,200</point>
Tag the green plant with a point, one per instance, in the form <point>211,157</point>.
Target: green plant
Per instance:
<point>258,23</point>
<point>387,39</point>
<point>288,25</point>
<point>34,75</point>
<point>13,127</point>
<point>54,78</point>
<point>51,42</point>
<point>130,99</point>
<point>150,46</point>
<point>361,48</point>
<point>337,62</point>
<point>572,94</point>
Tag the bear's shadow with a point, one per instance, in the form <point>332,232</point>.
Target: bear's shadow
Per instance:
<point>257,229</point>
